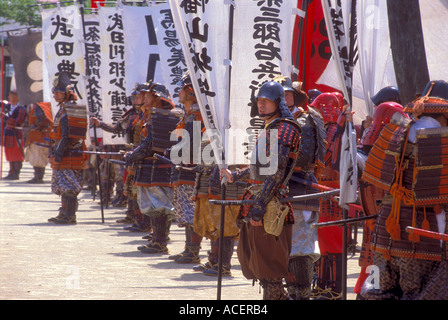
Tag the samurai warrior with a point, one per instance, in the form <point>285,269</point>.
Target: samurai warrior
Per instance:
<point>407,162</point>
<point>40,120</point>
<point>125,126</point>
<point>264,243</point>
<point>13,136</point>
<point>153,178</point>
<point>305,251</point>
<point>68,142</point>
<point>183,180</point>
<point>329,284</point>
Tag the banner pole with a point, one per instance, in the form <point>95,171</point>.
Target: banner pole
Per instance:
<point>86,60</point>
<point>223,185</point>
<point>3,104</point>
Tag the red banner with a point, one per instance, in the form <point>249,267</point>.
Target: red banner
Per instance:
<point>94,3</point>
<point>315,52</point>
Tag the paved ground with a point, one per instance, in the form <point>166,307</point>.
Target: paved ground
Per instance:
<point>94,260</point>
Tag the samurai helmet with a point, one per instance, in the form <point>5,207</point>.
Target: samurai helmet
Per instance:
<point>312,94</point>
<point>161,91</point>
<point>62,83</point>
<point>135,91</point>
<point>146,86</point>
<point>273,91</point>
<point>137,88</point>
<point>386,94</point>
<point>300,97</point>
<point>434,99</point>
<point>329,105</point>
<point>382,115</point>
<point>185,80</point>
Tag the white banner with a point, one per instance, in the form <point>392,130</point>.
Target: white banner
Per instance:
<point>93,54</point>
<point>113,70</point>
<point>262,39</point>
<point>92,45</point>
<point>153,51</point>
<point>374,50</point>
<point>341,42</point>
<point>203,30</point>
<point>142,52</point>
<point>172,60</point>
<point>374,69</point>
<point>64,52</point>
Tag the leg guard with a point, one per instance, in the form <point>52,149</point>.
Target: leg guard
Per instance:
<point>301,269</point>
<point>160,225</point>
<point>329,284</point>
<point>71,207</point>
<point>192,247</point>
<point>273,289</point>
<point>228,247</point>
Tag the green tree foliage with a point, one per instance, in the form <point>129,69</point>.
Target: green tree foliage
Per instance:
<point>24,12</point>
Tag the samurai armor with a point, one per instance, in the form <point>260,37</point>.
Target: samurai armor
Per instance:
<point>66,182</point>
<point>431,167</point>
<point>207,217</point>
<point>77,120</point>
<point>312,148</point>
<point>426,248</point>
<point>73,116</point>
<point>183,204</point>
<point>152,172</point>
<point>381,164</point>
<point>403,278</point>
<point>162,123</point>
<point>297,188</point>
<point>186,176</point>
<point>41,121</point>
<point>13,135</point>
<point>234,191</point>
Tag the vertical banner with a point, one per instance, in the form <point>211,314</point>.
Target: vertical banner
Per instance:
<point>113,70</point>
<point>374,48</point>
<point>63,40</point>
<point>262,46</point>
<point>203,30</point>
<point>93,55</point>
<point>342,38</point>
<point>311,49</point>
<point>26,54</point>
<point>142,52</point>
<point>172,60</point>
<point>153,50</point>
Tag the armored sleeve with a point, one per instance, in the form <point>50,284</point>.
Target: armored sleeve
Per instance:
<point>118,127</point>
<point>64,141</point>
<point>143,150</point>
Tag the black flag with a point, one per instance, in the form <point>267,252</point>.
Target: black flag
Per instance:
<point>26,56</point>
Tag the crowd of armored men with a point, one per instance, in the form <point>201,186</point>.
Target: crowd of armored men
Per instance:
<point>290,259</point>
